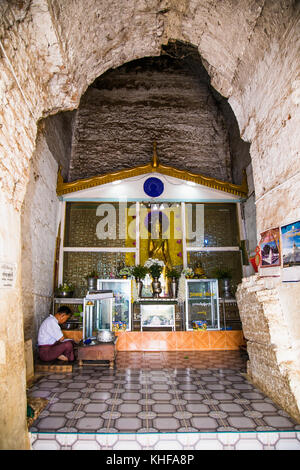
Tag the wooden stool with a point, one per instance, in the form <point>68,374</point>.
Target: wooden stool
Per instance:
<point>98,352</point>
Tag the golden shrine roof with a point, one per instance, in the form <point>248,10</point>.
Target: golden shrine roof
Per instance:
<point>151,167</point>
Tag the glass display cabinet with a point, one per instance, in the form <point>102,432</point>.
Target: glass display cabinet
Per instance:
<point>202,306</point>
<point>157,314</point>
<point>121,314</point>
<point>97,313</point>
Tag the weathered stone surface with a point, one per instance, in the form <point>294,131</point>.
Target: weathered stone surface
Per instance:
<point>58,131</point>
<point>152,99</point>
<point>263,370</point>
<point>281,205</point>
<point>222,53</point>
<point>29,361</point>
<point>249,212</point>
<point>39,231</point>
<point>269,314</point>
<point>13,431</point>
<point>267,109</point>
<point>255,326</point>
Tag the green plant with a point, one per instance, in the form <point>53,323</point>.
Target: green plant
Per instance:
<point>222,273</point>
<point>172,273</point>
<point>93,274</point>
<point>155,270</point>
<point>65,287</point>
<point>139,271</point>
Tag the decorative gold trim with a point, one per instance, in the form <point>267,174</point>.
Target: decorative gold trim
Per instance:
<point>155,161</point>
<point>154,166</point>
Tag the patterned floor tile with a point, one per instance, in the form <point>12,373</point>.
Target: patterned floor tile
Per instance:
<point>159,392</point>
<point>242,423</point>
<point>166,424</point>
<point>97,408</point>
<point>89,423</point>
<point>128,424</point>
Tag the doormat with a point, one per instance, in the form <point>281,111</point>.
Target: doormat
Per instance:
<point>35,406</point>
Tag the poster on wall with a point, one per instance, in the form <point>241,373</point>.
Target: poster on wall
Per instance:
<point>7,275</point>
<point>290,237</point>
<point>270,248</point>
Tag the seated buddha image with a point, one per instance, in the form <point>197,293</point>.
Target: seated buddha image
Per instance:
<point>158,247</point>
<point>199,271</point>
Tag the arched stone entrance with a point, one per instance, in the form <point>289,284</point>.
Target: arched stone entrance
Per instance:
<point>52,51</point>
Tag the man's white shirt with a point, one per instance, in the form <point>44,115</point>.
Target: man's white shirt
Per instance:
<point>49,331</point>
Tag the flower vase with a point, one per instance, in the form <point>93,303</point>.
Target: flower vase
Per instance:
<point>92,283</point>
<point>65,294</point>
<point>156,287</point>
<point>139,284</point>
<point>173,287</point>
<point>226,289</point>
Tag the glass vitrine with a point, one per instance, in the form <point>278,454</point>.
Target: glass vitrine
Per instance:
<point>97,314</point>
<point>202,307</point>
<point>121,314</point>
<point>157,315</point>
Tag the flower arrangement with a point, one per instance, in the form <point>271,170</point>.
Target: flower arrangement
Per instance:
<point>151,261</point>
<point>155,267</point>
<point>65,290</point>
<point>92,275</point>
<point>188,272</point>
<point>155,270</point>
<point>126,271</point>
<point>139,271</point>
<point>65,287</point>
<point>119,326</point>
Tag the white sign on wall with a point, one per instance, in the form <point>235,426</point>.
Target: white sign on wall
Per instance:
<point>7,275</point>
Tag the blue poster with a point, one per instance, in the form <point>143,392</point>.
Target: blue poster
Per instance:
<point>290,237</point>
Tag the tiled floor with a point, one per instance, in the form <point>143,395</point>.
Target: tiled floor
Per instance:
<point>159,392</point>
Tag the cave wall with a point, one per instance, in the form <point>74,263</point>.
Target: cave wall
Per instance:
<point>39,226</point>
<point>153,99</point>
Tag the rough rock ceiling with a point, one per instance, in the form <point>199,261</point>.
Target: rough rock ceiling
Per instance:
<point>168,99</point>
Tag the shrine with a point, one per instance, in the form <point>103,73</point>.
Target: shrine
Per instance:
<point>125,225</point>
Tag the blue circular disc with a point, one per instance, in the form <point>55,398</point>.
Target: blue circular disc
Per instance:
<point>153,187</point>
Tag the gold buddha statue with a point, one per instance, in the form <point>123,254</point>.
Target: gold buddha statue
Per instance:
<point>158,247</point>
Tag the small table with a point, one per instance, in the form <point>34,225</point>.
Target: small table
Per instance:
<point>98,352</point>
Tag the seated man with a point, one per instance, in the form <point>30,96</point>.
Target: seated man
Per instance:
<point>51,341</point>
